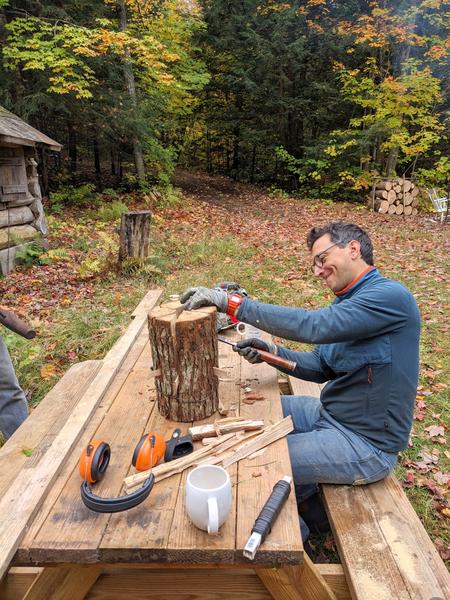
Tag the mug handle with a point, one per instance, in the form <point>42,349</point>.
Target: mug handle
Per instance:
<point>213,515</point>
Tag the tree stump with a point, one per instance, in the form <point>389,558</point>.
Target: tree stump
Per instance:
<point>134,234</point>
<point>185,355</point>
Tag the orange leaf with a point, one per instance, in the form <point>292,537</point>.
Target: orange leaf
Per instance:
<point>48,371</point>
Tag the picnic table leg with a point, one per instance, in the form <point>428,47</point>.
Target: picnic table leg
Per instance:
<point>297,582</point>
<point>67,582</point>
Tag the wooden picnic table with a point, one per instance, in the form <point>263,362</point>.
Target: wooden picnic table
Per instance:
<point>153,549</point>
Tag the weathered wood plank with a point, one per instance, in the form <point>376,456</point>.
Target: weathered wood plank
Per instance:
<point>37,432</point>
<point>73,532</point>
<point>63,582</point>
<point>26,494</point>
<point>257,476</point>
<point>140,581</point>
<point>299,582</point>
<point>186,542</point>
<point>23,555</point>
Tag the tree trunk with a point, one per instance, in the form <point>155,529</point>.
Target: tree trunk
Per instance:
<point>134,235</point>
<point>185,354</point>
<point>252,170</point>
<point>72,147</point>
<point>96,157</point>
<point>131,89</point>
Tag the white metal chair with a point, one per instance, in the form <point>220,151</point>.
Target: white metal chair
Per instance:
<point>439,202</point>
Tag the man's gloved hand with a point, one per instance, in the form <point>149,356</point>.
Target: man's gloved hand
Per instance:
<point>196,297</point>
<point>249,349</point>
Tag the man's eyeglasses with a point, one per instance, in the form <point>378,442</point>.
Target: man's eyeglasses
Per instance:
<point>318,260</point>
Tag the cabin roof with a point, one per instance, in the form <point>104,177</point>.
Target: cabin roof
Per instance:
<point>14,130</point>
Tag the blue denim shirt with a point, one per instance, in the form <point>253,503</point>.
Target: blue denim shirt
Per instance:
<point>367,350</point>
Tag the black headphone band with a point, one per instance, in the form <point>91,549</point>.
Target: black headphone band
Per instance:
<point>118,504</point>
<point>100,461</point>
<point>138,449</point>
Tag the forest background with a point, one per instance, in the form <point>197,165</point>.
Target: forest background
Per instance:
<point>308,101</point>
<point>313,96</point>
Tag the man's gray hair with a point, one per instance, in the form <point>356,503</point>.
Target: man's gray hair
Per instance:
<point>341,233</point>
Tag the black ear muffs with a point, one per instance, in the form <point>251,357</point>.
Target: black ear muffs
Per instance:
<point>92,466</point>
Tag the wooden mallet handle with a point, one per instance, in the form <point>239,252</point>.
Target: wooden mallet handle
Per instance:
<point>276,361</point>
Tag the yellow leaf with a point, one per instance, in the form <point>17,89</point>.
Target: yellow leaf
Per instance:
<point>446,512</point>
<point>48,371</point>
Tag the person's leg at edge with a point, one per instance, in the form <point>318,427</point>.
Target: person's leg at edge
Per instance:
<point>13,404</point>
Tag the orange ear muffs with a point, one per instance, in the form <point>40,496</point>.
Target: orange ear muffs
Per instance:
<point>92,466</point>
<point>94,461</point>
<point>149,451</point>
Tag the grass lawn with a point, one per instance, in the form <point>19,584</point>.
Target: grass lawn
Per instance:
<point>220,230</point>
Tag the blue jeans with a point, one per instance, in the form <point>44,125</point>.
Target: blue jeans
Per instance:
<point>13,404</point>
<point>324,451</point>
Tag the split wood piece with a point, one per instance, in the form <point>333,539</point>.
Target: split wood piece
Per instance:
<point>271,434</point>
<point>219,428</point>
<point>408,210</point>
<point>184,350</point>
<point>28,491</point>
<point>384,185</point>
<point>244,448</point>
<point>391,209</point>
<point>407,185</point>
<point>134,235</point>
<point>381,206</point>
<point>133,481</point>
<point>408,198</point>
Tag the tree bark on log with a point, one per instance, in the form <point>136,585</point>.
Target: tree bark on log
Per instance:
<point>184,350</point>
<point>134,235</point>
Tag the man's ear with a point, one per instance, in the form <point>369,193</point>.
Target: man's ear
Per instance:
<point>355,249</point>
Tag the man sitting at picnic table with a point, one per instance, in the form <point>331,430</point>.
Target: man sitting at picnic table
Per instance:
<point>367,349</point>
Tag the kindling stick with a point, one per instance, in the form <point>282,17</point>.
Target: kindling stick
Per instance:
<point>226,450</point>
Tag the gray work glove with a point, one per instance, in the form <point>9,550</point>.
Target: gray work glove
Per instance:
<point>196,297</point>
<point>249,349</point>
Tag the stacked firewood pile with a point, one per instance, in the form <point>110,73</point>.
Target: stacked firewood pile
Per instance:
<point>395,197</point>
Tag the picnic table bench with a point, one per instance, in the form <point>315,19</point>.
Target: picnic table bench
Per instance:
<point>384,549</point>
<point>53,547</point>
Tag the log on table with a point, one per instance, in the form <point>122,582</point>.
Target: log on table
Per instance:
<point>134,235</point>
<point>184,350</point>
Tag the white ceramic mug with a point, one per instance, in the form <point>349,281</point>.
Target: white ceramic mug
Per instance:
<point>208,497</point>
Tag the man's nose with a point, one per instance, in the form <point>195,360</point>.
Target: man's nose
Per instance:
<point>318,270</point>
